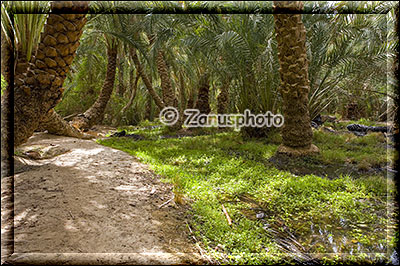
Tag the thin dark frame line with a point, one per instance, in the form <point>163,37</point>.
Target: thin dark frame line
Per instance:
<point>10,96</point>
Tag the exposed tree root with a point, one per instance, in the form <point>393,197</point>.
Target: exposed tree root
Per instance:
<point>56,125</point>
<point>298,151</point>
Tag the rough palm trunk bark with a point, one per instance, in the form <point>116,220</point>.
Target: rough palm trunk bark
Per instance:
<point>166,85</point>
<point>55,124</point>
<point>146,80</point>
<point>223,97</point>
<point>36,91</point>
<point>294,88</point>
<point>182,93</point>
<point>190,103</point>
<point>6,59</point>
<point>120,90</point>
<point>95,113</point>
<point>202,103</point>
<point>148,111</point>
<point>21,66</point>
<point>40,88</point>
<point>57,127</point>
<point>181,105</point>
<point>169,97</point>
<point>7,150</point>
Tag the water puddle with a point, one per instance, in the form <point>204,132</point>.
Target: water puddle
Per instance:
<point>342,236</point>
<point>322,235</point>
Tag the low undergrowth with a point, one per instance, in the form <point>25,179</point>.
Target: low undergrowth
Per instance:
<point>331,219</point>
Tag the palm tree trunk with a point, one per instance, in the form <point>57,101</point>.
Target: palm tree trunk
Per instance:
<point>148,111</point>
<point>167,90</point>
<point>55,124</point>
<point>190,103</point>
<point>35,93</point>
<point>146,80</point>
<point>7,150</point>
<point>6,59</point>
<point>40,89</point>
<point>291,38</point>
<point>95,113</point>
<point>182,93</point>
<point>202,103</point>
<point>223,97</point>
<point>120,90</point>
<point>21,66</point>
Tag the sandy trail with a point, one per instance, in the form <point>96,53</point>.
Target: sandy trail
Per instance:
<point>98,200</point>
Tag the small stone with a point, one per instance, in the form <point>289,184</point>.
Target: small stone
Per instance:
<point>260,215</point>
<point>33,155</point>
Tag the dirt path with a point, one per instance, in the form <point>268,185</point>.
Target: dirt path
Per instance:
<point>95,199</point>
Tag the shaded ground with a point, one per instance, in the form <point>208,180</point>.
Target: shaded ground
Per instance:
<point>309,165</point>
<point>94,199</point>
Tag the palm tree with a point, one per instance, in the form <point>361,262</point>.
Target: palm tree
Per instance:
<point>168,92</point>
<point>106,26</point>
<point>203,103</point>
<point>146,79</point>
<point>241,54</point>
<point>121,86</point>
<point>164,33</point>
<point>38,87</point>
<point>223,96</point>
<point>133,82</point>
<point>294,87</point>
<point>37,84</point>
<point>95,113</point>
<point>139,43</point>
<point>346,53</point>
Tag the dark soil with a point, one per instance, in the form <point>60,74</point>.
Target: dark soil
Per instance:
<point>310,165</point>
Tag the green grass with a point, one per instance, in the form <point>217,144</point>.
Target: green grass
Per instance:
<point>222,168</point>
<point>348,148</point>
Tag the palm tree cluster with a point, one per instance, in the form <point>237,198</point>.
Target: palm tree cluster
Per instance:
<point>129,66</point>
